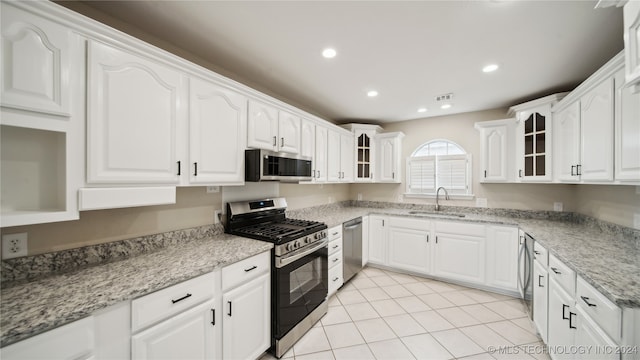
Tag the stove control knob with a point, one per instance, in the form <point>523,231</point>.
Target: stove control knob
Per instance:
<point>289,246</point>
<point>307,240</point>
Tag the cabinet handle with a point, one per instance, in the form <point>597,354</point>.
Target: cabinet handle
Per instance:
<point>213,317</point>
<point>335,246</point>
<point>335,260</point>
<point>195,169</point>
<point>335,279</point>
<point>314,173</point>
<point>182,298</point>
<point>521,239</point>
<point>571,314</point>
<point>334,234</point>
<point>427,238</point>
<point>274,141</point>
<point>572,173</point>
<point>536,252</point>
<point>436,239</point>
<point>229,308</point>
<point>564,317</point>
<point>586,301</point>
<point>393,175</point>
<point>485,173</point>
<point>179,173</point>
<point>318,173</point>
<point>540,277</point>
<point>578,169</point>
<point>555,270</point>
<point>282,142</point>
<point>382,222</point>
<point>251,268</point>
<point>520,173</point>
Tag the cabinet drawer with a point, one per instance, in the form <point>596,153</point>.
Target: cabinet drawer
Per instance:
<point>605,313</point>
<point>335,245</point>
<point>245,270</point>
<point>164,303</point>
<point>335,232</point>
<point>562,274</point>
<point>540,254</point>
<point>410,223</point>
<point>335,259</point>
<point>460,228</point>
<point>335,279</point>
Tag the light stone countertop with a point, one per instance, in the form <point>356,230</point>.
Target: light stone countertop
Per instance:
<point>30,307</point>
<point>604,255</point>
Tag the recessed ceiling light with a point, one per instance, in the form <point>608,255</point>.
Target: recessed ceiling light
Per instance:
<point>490,68</point>
<point>421,110</point>
<point>329,53</point>
<point>372,93</point>
<point>445,106</point>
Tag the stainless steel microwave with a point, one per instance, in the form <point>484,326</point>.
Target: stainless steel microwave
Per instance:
<point>265,165</point>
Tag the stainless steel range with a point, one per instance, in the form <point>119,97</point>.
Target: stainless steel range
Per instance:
<point>299,277</point>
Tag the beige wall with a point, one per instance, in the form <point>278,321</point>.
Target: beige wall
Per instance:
<point>301,196</point>
<point>460,129</point>
<point>616,204</point>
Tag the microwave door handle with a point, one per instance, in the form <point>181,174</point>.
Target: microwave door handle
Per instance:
<point>283,261</point>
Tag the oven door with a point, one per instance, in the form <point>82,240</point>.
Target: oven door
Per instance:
<point>300,284</point>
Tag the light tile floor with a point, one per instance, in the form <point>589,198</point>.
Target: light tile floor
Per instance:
<point>382,314</point>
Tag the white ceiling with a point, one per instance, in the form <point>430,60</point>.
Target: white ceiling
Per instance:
<point>409,52</point>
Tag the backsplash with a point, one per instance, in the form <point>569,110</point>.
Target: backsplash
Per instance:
<point>56,262</point>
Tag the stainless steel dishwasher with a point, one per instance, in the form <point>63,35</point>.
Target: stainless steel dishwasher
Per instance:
<point>351,248</point>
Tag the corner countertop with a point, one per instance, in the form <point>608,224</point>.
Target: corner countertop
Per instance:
<point>605,255</point>
<point>30,307</point>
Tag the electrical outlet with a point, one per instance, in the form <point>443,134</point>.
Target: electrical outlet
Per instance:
<point>481,202</point>
<point>216,216</point>
<point>400,198</point>
<point>330,200</point>
<point>213,189</point>
<point>14,245</point>
<point>557,206</point>
<point>359,197</point>
<point>636,221</point>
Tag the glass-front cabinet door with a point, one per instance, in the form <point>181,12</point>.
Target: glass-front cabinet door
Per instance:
<point>534,146</point>
<point>364,163</point>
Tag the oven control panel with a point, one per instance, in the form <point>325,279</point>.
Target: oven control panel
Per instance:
<point>299,243</point>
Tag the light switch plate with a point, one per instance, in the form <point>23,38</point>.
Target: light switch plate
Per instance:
<point>557,206</point>
<point>213,189</point>
<point>481,202</point>
<point>359,197</point>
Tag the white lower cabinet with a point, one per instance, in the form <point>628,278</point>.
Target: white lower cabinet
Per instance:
<point>459,252</point>
<point>540,299</point>
<point>246,325</point>
<point>562,322</point>
<point>188,335</point>
<point>409,247</point>
<point>591,341</point>
<point>74,341</point>
<point>502,257</point>
<point>336,268</point>
<point>377,240</point>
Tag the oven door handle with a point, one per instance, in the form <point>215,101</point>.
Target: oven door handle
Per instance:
<point>283,261</point>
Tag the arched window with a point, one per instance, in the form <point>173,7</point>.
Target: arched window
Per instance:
<point>439,163</point>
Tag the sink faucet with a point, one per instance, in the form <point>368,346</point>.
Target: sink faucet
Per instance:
<point>446,196</point>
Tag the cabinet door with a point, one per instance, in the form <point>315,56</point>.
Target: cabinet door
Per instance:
<point>189,335</point>
<point>320,160</point>
<point>377,240</point>
<point>534,145</point>
<point>35,63</point>
<point>134,109</point>
<point>262,126</point>
<point>561,309</point>
<point>596,125</point>
<point>409,246</point>
<point>540,299</point>
<point>566,142</point>
<point>627,131</point>
<point>494,153</point>
<point>502,257</point>
<point>387,164</point>
<point>308,139</point>
<point>459,257</point>
<point>289,132</point>
<point>346,157</point>
<point>592,340</point>
<point>364,156</point>
<point>217,135</point>
<point>334,172</point>
<point>247,320</point>
<point>632,43</point>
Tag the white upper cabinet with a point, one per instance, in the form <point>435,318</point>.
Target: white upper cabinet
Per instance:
<point>307,138</point>
<point>497,150</point>
<point>135,107</point>
<point>334,173</point>
<point>262,126</point>
<point>217,135</point>
<point>271,129</point>
<point>566,141</point>
<point>288,132</point>
<point>596,125</point>
<point>632,44</point>
<point>346,158</point>
<point>627,131</point>
<point>320,159</point>
<point>389,150</point>
<point>35,63</point>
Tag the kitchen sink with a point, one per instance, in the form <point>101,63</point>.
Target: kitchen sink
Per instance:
<point>436,214</point>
